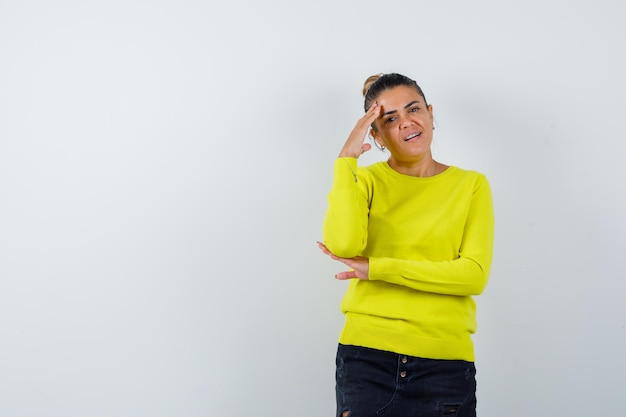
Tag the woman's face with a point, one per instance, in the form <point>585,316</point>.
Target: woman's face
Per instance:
<point>405,123</point>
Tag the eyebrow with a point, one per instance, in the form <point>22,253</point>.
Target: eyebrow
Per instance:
<point>395,111</point>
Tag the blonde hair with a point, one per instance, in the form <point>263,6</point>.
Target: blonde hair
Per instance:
<point>368,83</point>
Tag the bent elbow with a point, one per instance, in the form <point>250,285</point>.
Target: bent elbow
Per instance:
<point>479,277</point>
<point>480,282</point>
<point>479,288</point>
<point>344,249</point>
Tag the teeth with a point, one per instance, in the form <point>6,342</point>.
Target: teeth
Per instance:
<point>412,136</point>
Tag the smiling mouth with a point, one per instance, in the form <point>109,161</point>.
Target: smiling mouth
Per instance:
<point>414,135</point>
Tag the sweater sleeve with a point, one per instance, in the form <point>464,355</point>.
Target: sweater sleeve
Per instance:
<point>463,276</point>
<point>345,224</point>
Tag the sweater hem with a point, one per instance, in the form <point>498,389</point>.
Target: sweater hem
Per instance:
<point>361,334</point>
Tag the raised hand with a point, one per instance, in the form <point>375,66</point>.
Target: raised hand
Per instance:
<point>355,145</point>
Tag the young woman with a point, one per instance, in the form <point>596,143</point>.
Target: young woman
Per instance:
<point>417,236</point>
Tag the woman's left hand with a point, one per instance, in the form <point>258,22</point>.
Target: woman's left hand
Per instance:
<point>360,265</point>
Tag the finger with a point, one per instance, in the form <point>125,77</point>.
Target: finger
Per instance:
<point>372,113</point>
<point>365,147</point>
<point>342,276</point>
<point>368,118</point>
<point>328,252</point>
<point>323,247</point>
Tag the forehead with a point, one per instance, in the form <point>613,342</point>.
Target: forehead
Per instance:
<point>398,97</point>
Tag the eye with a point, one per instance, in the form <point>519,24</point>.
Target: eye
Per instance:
<point>413,109</point>
<point>390,120</point>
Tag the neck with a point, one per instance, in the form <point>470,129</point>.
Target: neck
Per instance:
<point>425,167</point>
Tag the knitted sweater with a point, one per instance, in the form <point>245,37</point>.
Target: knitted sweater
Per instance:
<point>429,242</point>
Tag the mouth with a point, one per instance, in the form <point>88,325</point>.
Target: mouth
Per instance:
<point>412,136</point>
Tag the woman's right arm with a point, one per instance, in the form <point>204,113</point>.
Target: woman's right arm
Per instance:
<point>345,224</point>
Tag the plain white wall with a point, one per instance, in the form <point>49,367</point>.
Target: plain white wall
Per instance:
<point>163,177</point>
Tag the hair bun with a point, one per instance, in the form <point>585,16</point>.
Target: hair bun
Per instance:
<point>368,83</point>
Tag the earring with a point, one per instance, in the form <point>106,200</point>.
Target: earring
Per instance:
<point>433,127</point>
<point>380,147</point>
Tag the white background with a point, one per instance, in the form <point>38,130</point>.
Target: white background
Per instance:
<point>164,167</point>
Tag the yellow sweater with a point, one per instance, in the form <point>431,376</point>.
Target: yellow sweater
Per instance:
<point>429,243</point>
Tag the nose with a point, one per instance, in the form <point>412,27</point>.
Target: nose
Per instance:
<point>405,122</point>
